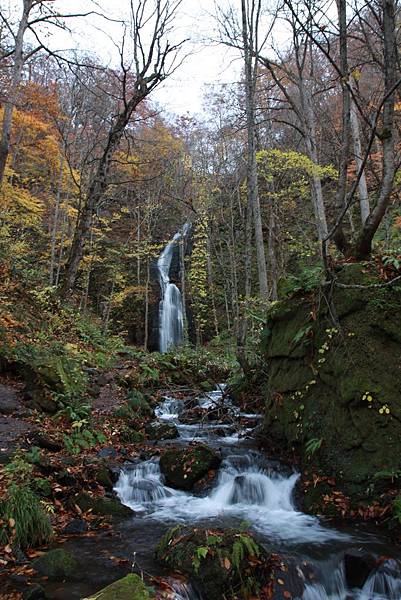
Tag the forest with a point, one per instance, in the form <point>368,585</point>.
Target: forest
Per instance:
<point>200,333</point>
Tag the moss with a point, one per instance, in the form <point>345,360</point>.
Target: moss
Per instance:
<point>103,506</point>
<point>130,587</point>
<point>56,564</point>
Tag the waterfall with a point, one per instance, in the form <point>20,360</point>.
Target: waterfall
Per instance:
<point>171,314</point>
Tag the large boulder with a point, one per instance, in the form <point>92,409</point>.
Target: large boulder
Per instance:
<point>159,430</point>
<point>103,506</point>
<point>183,467</point>
<point>130,587</point>
<point>227,564</point>
<point>334,391</point>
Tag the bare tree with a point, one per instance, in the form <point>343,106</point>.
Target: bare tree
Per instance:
<point>154,59</point>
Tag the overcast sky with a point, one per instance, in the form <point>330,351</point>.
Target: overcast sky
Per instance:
<point>207,64</point>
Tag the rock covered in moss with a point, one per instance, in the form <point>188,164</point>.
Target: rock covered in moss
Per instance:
<point>56,564</point>
<point>130,587</point>
<point>224,564</point>
<point>183,467</point>
<point>103,506</point>
<point>334,391</point>
<point>157,430</point>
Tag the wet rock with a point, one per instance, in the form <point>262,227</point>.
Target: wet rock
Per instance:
<point>65,478</point>
<point>102,476</point>
<point>183,467</point>
<point>222,564</point>
<point>157,430</point>
<point>8,400</point>
<point>34,592</point>
<point>56,564</point>
<point>75,527</point>
<point>46,441</point>
<point>103,506</point>
<point>130,587</point>
<point>358,567</point>
<point>109,452</point>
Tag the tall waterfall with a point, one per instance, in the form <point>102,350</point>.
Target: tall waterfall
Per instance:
<point>171,316</point>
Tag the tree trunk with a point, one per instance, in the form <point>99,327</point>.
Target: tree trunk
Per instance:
<point>364,243</point>
<point>252,173</point>
<point>311,149</point>
<point>55,223</point>
<point>16,76</point>
<point>96,191</point>
<point>362,185</point>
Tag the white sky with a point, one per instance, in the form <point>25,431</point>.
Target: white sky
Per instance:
<point>206,65</point>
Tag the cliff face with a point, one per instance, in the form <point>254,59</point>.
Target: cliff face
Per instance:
<point>334,390</point>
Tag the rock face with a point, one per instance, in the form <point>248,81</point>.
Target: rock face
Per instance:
<point>130,587</point>
<point>183,467</point>
<point>225,564</point>
<point>334,391</point>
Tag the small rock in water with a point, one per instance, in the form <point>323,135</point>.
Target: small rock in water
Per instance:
<point>57,564</point>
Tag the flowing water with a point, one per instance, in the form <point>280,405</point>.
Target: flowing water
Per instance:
<point>251,489</point>
<point>171,315</point>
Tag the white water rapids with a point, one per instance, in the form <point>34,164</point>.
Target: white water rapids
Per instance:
<point>247,489</point>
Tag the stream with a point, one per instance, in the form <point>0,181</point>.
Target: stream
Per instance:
<point>250,490</point>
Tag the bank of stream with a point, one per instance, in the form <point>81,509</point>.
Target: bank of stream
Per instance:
<point>249,491</point>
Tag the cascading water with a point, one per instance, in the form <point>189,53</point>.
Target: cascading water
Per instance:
<point>248,488</point>
<point>171,315</point>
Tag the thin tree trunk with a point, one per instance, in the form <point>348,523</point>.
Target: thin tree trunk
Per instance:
<point>108,309</point>
<point>146,333</point>
<point>362,185</point>
<point>364,243</point>
<point>16,76</point>
<point>311,148</point>
<point>252,173</point>
<point>55,223</point>
<point>272,253</point>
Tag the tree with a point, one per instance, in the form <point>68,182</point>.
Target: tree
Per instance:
<point>34,14</point>
<point>152,63</point>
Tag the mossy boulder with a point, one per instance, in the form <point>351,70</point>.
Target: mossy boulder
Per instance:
<point>183,467</point>
<point>103,506</point>
<point>56,564</point>
<point>130,587</point>
<point>157,430</point>
<point>226,564</point>
<point>334,390</point>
